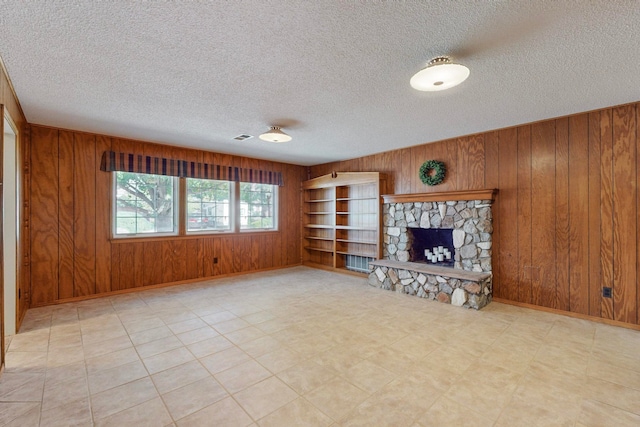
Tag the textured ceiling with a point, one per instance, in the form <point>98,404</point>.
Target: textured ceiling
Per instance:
<point>334,74</point>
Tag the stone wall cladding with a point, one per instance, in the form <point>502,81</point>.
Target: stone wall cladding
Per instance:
<point>461,293</point>
<point>471,222</point>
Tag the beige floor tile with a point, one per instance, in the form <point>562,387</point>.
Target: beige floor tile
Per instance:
<point>244,335</point>
<point>107,346</point>
<point>187,325</point>
<point>137,324</point>
<point>197,335</point>
<point>613,394</point>
<point>148,414</point>
<point>225,413</point>
<point>306,376</point>
<point>260,346</point>
<point>209,346</point>
<point>193,397</point>
<point>406,355</point>
<point>259,317</point>
<point>615,374</point>
<point>596,414</point>
<point>70,372</point>
<point>168,359</point>
<point>299,413</point>
<point>60,393</point>
<point>179,376</point>
<point>543,406</point>
<point>231,325</point>
<point>336,398</point>
<point>445,412</point>
<point>486,398</point>
<point>310,346</point>
<point>10,411</point>
<point>265,397</point>
<point>279,360</point>
<point>29,419</point>
<point>416,346</point>
<point>150,335</point>
<point>118,399</point>
<point>25,361</point>
<point>65,356</point>
<point>219,317</point>
<point>111,360</point>
<point>161,345</point>
<point>75,413</point>
<point>242,376</point>
<point>623,360</point>
<point>393,361</point>
<point>32,341</point>
<point>224,359</point>
<point>114,377</point>
<point>101,335</point>
<point>21,387</point>
<point>368,376</point>
<point>337,360</point>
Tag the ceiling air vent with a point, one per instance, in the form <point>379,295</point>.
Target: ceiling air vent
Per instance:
<point>242,137</point>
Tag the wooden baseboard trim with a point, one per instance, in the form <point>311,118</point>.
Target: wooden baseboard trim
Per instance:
<point>335,270</point>
<point>159,285</point>
<point>570,314</point>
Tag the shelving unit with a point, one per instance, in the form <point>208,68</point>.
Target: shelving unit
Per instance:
<point>341,220</point>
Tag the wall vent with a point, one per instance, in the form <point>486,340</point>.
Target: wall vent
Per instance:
<point>358,263</point>
<point>243,137</point>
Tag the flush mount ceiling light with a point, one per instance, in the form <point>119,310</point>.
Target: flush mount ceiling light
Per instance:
<point>275,134</point>
<point>439,74</point>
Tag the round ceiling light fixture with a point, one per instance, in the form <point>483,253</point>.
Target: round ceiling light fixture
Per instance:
<point>275,134</point>
<point>439,74</point>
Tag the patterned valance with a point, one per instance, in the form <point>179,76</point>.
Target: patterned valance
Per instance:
<point>126,162</point>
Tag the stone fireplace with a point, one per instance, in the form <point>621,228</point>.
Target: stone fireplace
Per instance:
<point>437,246</point>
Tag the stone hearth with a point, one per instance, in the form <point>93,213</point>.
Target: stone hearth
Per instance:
<point>471,225</point>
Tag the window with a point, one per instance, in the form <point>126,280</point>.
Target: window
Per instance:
<point>257,206</point>
<point>145,204</point>
<point>208,205</point>
<point>148,205</point>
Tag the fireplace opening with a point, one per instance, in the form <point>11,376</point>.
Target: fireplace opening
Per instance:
<point>431,245</point>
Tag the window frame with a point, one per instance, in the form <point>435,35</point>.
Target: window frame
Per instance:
<point>180,211</point>
<point>274,204</point>
<point>114,210</point>
<point>185,209</point>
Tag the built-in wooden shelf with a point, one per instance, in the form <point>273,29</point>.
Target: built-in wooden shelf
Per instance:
<point>487,194</point>
<point>350,209</point>
<point>311,248</point>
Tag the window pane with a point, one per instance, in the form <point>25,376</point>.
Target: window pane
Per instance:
<point>208,205</point>
<point>257,206</point>
<point>145,204</point>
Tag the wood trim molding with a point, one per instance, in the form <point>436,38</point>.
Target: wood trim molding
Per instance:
<point>486,194</point>
<point>568,313</point>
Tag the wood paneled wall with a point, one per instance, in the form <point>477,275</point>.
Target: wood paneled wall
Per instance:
<point>566,219</point>
<point>72,253</point>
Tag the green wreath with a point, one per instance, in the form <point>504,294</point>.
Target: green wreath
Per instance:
<point>432,178</point>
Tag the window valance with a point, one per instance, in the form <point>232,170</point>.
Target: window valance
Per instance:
<point>126,162</point>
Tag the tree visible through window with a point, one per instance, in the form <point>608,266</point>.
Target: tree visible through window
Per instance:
<point>144,203</point>
<point>257,206</point>
<point>208,205</point>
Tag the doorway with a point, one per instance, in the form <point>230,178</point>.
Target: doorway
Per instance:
<point>9,226</point>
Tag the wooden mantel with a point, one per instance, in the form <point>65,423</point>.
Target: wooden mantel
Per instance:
<point>487,194</point>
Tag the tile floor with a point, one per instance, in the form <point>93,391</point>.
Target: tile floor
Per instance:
<point>308,347</point>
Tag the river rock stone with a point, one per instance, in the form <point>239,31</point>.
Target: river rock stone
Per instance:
<point>458,297</point>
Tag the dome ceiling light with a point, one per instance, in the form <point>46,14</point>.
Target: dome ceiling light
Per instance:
<point>439,74</point>
<point>275,134</point>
